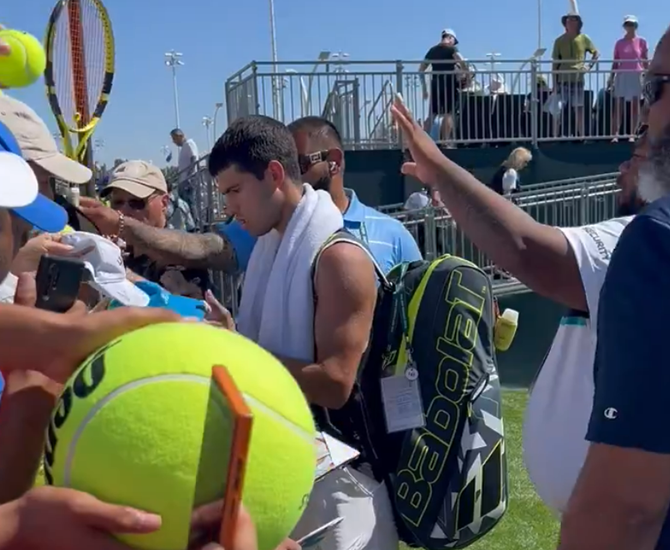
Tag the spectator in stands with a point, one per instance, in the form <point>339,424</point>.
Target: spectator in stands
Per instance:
<point>622,497</point>
<point>187,165</point>
<point>139,191</point>
<point>230,248</point>
<point>506,180</point>
<point>545,122</point>
<point>40,150</point>
<point>569,67</point>
<point>567,265</point>
<point>446,65</point>
<point>630,61</point>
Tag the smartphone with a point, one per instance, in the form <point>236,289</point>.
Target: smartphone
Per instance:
<point>58,281</point>
<point>316,536</point>
<point>239,453</point>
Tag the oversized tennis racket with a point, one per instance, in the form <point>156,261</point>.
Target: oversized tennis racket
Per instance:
<point>80,71</point>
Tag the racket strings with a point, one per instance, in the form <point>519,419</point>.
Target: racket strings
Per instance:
<point>79,54</point>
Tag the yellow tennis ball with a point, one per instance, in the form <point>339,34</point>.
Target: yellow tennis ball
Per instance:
<point>141,423</point>
<point>26,62</point>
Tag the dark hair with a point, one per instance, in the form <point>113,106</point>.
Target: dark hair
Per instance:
<point>322,131</point>
<point>177,132</point>
<point>250,143</point>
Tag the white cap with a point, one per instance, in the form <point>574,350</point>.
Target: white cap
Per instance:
<point>18,184</point>
<point>105,264</point>
<point>630,19</point>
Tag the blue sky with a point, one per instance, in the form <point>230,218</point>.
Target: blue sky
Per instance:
<point>218,38</point>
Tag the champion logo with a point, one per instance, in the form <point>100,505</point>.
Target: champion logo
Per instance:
<point>611,413</point>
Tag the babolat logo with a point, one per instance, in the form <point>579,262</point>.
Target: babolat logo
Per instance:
<point>81,386</point>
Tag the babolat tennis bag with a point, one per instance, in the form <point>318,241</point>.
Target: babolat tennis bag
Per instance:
<point>447,479</point>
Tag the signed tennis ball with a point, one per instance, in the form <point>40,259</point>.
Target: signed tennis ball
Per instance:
<point>26,62</point>
<point>141,423</point>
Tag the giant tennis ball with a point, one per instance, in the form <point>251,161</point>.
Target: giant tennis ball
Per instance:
<point>26,62</point>
<point>141,423</point>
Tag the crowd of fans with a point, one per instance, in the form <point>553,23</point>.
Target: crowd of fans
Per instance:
<point>567,105</point>
<point>310,251</point>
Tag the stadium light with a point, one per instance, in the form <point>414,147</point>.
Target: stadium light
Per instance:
<point>173,60</point>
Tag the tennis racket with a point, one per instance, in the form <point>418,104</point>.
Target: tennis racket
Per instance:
<point>79,74</point>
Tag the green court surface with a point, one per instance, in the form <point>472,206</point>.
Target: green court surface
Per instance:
<point>528,524</point>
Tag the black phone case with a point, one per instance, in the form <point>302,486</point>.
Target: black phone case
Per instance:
<point>58,281</point>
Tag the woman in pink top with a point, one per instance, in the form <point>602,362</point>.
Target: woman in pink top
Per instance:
<point>630,62</point>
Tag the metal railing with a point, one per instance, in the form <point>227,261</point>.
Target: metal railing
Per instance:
<point>512,102</point>
<point>564,204</point>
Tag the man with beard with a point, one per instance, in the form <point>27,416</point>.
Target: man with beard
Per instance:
<point>321,160</point>
<point>622,495</point>
<point>567,265</point>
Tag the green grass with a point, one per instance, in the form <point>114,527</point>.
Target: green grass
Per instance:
<point>528,524</point>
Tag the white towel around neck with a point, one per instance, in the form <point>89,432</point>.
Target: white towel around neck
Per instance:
<point>277,306</point>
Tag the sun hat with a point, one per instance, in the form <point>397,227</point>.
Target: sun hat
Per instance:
<point>37,144</point>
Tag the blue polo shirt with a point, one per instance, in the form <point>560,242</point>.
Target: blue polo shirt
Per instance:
<point>630,404</point>
<point>388,240</point>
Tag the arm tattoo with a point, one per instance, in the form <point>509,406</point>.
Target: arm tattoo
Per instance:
<point>169,246</point>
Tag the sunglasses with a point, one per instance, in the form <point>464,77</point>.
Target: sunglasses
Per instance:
<point>652,91</point>
<point>307,161</point>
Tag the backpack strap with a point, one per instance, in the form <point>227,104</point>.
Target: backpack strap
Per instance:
<point>344,236</point>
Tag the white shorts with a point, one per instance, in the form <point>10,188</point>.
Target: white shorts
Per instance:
<point>628,86</point>
<point>363,503</point>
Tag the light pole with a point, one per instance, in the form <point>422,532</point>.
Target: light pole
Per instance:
<point>304,95</point>
<point>207,123</point>
<point>173,60</point>
<point>539,24</point>
<point>217,106</point>
<point>340,58</point>
<point>273,45</point>
<point>323,56</point>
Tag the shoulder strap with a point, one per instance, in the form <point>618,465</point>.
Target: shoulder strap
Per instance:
<point>343,236</point>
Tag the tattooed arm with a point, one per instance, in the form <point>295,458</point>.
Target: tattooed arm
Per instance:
<point>169,246</point>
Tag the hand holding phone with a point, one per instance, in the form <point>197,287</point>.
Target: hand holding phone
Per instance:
<point>239,453</point>
<point>57,282</point>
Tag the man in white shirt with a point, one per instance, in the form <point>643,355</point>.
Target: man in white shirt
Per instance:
<point>187,167</point>
<point>567,265</point>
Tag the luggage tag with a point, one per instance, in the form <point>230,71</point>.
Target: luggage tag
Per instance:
<point>401,394</point>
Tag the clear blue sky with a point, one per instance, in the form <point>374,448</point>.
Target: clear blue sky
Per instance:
<point>217,38</point>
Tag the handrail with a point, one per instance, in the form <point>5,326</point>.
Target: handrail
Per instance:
<point>387,83</point>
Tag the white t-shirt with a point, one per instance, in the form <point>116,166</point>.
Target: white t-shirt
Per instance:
<point>187,151</point>
<point>561,399</point>
<point>417,201</point>
<point>8,289</point>
<point>510,181</point>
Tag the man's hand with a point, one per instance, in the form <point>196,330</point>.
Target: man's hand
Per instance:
<point>428,159</point>
<point>28,257</point>
<point>104,218</point>
<point>56,344</point>
<point>218,314</point>
<point>63,519</point>
<point>289,544</point>
<point>173,281</point>
<point>206,524</point>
